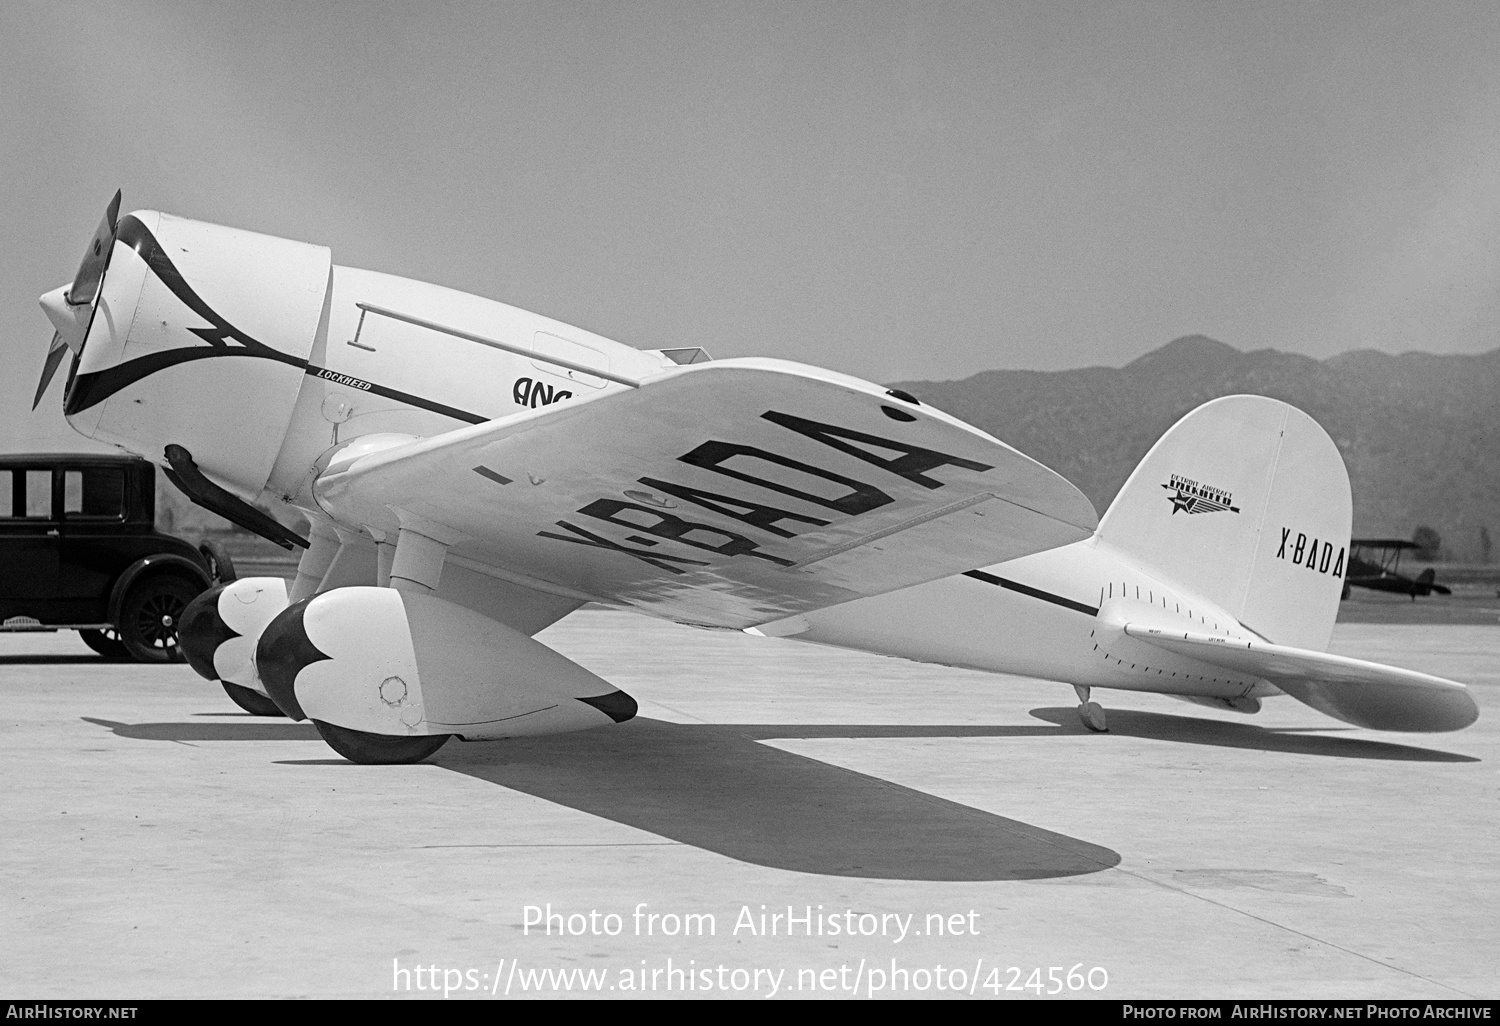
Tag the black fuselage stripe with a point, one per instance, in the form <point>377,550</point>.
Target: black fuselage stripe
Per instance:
<point>400,397</point>
<point>1037,593</point>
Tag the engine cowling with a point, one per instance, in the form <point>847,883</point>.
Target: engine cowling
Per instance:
<point>399,663</point>
<point>200,328</point>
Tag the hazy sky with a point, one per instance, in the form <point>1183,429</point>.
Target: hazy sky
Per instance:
<point>892,190</point>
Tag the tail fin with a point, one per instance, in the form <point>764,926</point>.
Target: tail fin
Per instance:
<point>1423,584</point>
<point>1245,501</point>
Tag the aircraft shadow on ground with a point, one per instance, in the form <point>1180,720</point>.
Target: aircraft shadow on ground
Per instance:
<point>1195,730</point>
<point>717,788</point>
<point>266,729</point>
<point>52,660</point>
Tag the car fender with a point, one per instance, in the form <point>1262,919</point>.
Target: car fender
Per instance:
<point>159,563</point>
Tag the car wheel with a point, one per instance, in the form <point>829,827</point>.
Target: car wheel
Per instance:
<point>106,643</point>
<point>220,566</point>
<point>149,617</point>
<point>253,702</point>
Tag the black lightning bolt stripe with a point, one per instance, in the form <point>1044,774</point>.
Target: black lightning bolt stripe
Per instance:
<point>88,390</point>
<point>139,238</point>
<point>1037,593</point>
<point>91,389</point>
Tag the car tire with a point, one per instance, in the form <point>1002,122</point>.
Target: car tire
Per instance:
<point>106,643</point>
<point>220,566</point>
<point>253,702</point>
<point>149,618</point>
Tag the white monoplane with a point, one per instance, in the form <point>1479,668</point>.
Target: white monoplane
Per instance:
<point>473,472</point>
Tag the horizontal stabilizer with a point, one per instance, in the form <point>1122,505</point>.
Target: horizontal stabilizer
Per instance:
<point>1358,692</point>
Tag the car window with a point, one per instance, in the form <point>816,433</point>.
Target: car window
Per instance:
<point>7,494</point>
<point>38,494</point>
<point>94,492</point>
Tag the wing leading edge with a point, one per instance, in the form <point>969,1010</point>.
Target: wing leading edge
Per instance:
<point>724,494</point>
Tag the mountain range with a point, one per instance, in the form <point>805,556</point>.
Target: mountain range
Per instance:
<point>1419,432</point>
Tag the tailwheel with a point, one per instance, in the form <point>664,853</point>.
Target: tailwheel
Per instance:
<point>1091,713</point>
<point>379,749</point>
<point>250,700</point>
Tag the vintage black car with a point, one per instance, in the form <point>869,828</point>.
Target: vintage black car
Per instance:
<point>79,550</point>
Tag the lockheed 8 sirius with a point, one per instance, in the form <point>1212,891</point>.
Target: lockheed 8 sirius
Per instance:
<point>472,473</point>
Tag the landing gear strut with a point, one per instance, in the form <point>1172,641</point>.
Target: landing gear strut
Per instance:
<point>1091,713</point>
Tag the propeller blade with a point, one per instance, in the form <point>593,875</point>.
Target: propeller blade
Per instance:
<point>91,272</point>
<point>55,353</point>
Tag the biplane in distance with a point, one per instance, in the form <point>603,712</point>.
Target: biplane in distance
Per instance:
<point>1375,563</point>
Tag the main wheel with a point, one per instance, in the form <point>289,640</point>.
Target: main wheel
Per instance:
<point>378,749</point>
<point>253,702</point>
<point>106,643</point>
<point>149,617</point>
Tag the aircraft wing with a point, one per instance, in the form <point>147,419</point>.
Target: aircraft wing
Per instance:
<point>1365,694</point>
<point>723,494</point>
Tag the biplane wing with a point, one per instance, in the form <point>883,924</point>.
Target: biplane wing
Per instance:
<point>1375,563</point>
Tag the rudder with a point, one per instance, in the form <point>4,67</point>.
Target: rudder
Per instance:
<point>1245,501</point>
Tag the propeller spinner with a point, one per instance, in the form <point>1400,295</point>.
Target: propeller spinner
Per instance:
<point>71,308</point>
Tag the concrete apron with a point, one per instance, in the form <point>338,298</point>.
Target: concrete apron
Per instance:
<point>161,844</point>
